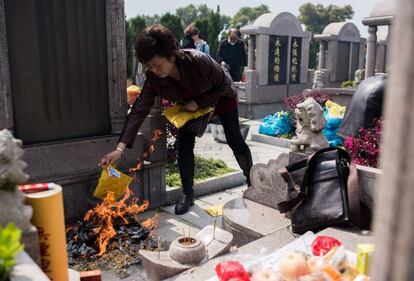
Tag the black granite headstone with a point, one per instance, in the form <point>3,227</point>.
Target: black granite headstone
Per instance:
<point>277,59</point>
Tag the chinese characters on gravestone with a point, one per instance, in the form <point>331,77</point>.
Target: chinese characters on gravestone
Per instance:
<point>277,59</point>
<point>295,57</point>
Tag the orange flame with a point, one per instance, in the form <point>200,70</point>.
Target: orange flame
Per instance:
<point>105,213</point>
<point>137,167</point>
<point>156,135</point>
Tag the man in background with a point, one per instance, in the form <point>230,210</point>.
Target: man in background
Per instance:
<point>232,52</point>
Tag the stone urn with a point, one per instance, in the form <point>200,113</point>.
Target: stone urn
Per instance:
<point>187,250</point>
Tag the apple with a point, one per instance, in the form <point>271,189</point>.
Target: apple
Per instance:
<point>266,275</point>
<point>293,265</point>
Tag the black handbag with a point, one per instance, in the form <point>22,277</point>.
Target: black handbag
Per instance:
<point>323,191</point>
<point>197,126</point>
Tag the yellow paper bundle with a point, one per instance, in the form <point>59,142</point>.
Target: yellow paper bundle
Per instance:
<point>178,117</point>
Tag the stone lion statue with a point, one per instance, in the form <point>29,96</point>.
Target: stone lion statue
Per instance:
<point>12,208</point>
<point>309,125</point>
<point>11,165</point>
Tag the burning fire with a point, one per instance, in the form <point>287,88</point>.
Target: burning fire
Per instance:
<point>105,214</point>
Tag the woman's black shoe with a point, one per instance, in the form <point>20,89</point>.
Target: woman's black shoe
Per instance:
<point>184,204</point>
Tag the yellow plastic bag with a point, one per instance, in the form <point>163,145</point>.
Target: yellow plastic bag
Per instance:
<point>178,117</point>
<point>112,180</point>
<point>335,110</point>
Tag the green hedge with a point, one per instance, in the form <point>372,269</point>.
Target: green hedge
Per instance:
<point>204,168</point>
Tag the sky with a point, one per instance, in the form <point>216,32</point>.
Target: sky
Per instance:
<point>230,7</point>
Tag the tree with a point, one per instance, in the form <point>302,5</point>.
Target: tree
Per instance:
<point>132,27</point>
<point>173,23</point>
<point>247,15</point>
<point>316,18</point>
<point>150,20</point>
<point>191,13</point>
<point>202,25</point>
<point>214,27</point>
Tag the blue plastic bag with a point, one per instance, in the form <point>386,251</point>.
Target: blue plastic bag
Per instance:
<point>276,125</point>
<point>331,128</point>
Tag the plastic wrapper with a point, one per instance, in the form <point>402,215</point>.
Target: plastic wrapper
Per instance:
<point>364,253</point>
<point>323,244</point>
<point>112,180</point>
<point>333,114</point>
<point>231,271</point>
<point>276,125</point>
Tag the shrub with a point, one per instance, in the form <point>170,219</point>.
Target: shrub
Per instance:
<point>319,96</point>
<point>10,246</point>
<point>347,84</point>
<point>365,149</point>
<point>204,168</point>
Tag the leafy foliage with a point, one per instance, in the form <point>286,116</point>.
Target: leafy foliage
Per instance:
<point>204,168</point>
<point>172,22</point>
<point>365,149</point>
<point>316,17</point>
<point>318,95</point>
<point>10,246</point>
<point>348,84</point>
<point>132,27</point>
<point>191,13</point>
<point>247,15</point>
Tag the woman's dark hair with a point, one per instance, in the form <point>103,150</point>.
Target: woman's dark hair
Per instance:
<point>155,40</point>
<point>191,30</point>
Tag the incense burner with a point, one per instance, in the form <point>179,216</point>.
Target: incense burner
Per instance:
<point>187,250</point>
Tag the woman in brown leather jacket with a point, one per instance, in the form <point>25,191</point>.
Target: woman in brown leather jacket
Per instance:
<point>193,79</point>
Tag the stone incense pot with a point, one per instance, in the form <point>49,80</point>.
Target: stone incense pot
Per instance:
<point>187,250</point>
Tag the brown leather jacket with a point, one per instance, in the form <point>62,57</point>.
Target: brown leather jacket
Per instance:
<point>200,74</point>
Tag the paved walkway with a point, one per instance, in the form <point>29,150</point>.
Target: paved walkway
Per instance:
<point>172,226</point>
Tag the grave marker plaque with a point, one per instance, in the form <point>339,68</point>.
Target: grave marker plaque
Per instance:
<point>295,59</point>
<point>277,59</point>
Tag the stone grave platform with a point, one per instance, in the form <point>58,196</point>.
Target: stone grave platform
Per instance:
<point>349,237</point>
<point>255,215</point>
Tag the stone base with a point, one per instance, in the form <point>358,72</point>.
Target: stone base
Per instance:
<point>258,110</point>
<point>208,186</point>
<point>30,240</point>
<point>160,266</point>
<point>248,220</point>
<point>271,140</point>
<point>26,269</point>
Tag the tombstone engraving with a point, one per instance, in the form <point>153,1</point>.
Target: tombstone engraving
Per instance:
<point>278,56</point>
<point>295,59</point>
<point>277,59</point>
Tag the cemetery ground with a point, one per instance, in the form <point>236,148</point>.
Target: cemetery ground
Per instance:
<point>171,226</point>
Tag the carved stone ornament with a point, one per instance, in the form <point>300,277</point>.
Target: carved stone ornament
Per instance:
<point>309,124</point>
<point>12,208</point>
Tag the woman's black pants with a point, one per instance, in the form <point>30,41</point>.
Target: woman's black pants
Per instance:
<point>230,122</point>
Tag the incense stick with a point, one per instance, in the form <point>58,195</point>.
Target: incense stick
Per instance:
<point>159,247</point>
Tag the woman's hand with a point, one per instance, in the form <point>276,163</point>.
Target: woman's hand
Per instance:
<point>111,158</point>
<point>190,106</point>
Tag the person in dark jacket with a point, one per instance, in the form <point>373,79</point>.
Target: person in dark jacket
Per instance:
<point>193,79</point>
<point>366,106</point>
<point>188,42</point>
<point>232,52</point>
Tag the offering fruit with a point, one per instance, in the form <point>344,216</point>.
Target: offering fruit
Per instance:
<point>293,265</point>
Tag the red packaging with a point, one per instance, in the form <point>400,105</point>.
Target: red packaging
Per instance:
<point>323,244</point>
<point>231,271</point>
<point>36,187</point>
